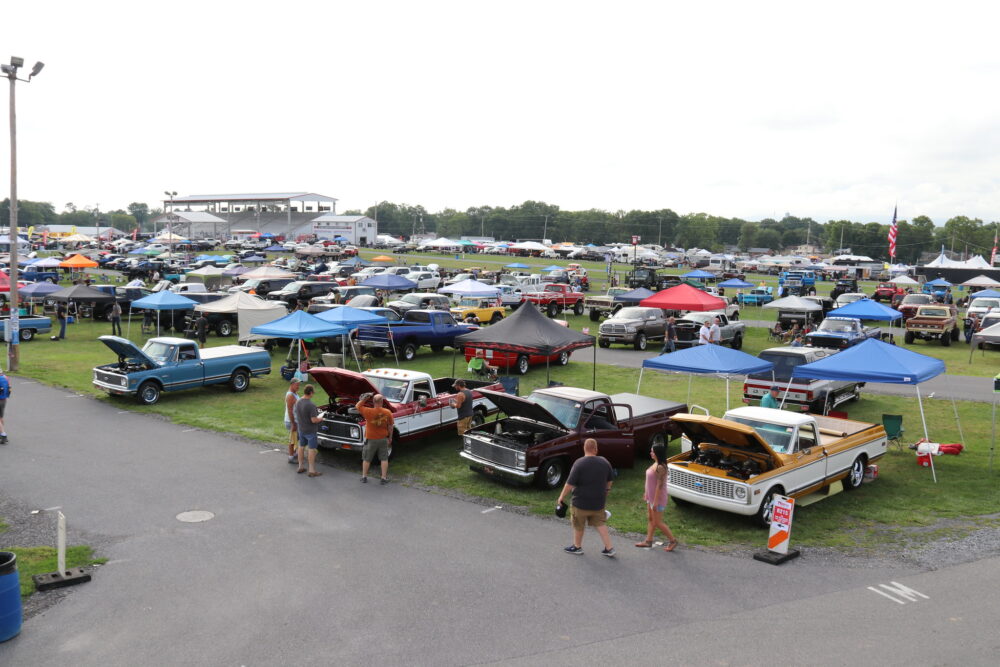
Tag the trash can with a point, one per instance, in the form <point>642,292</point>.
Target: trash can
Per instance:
<point>10,596</point>
<point>333,360</point>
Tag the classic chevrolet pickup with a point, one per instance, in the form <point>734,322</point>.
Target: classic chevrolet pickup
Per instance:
<point>420,404</point>
<point>543,433</point>
<point>740,462</point>
<point>172,364</point>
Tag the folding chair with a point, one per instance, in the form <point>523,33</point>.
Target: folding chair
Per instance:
<point>893,428</point>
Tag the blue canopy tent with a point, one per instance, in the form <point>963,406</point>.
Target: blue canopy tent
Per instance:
<point>274,248</point>
<point>516,265</point>
<point>299,325</point>
<point>938,282</point>
<point>707,360</point>
<point>635,296</point>
<point>389,281</point>
<point>355,261</point>
<point>875,361</point>
<point>552,267</point>
<point>38,290</point>
<point>470,287</point>
<point>253,259</point>
<point>985,293</point>
<point>736,283</point>
<point>164,300</point>
<point>351,318</point>
<point>235,271</point>
<point>866,309</point>
<point>698,274</point>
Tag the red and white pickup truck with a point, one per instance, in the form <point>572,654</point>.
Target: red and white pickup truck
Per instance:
<point>555,298</point>
<point>420,404</point>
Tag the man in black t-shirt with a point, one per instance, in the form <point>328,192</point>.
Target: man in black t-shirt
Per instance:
<point>589,481</point>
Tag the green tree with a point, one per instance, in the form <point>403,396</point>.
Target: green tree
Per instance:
<point>748,236</point>
<point>124,222</point>
<point>139,211</point>
<point>768,238</point>
<point>29,213</point>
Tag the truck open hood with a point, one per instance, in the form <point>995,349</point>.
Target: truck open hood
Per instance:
<point>126,349</point>
<point>703,428</point>
<point>515,406</point>
<point>342,383</point>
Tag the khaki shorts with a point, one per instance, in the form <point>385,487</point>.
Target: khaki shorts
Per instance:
<point>583,518</point>
<point>463,424</point>
<point>372,447</point>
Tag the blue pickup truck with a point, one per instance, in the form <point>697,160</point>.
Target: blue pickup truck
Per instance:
<point>172,364</point>
<point>435,328</point>
<point>36,276</point>
<point>796,283</point>
<point>28,327</point>
<point>758,296</point>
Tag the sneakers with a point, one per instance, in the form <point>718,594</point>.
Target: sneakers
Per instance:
<point>364,480</point>
<point>610,553</point>
<point>573,549</point>
<point>293,458</point>
<point>383,481</point>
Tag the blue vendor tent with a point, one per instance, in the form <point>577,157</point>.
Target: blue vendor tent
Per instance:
<point>736,283</point>
<point>698,274</point>
<point>866,309</point>
<point>635,296</point>
<point>985,293</point>
<point>299,325</point>
<point>939,282</point>
<point>707,360</point>
<point>164,300</point>
<point>389,281</point>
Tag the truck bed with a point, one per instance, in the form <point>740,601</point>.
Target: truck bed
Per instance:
<point>832,429</point>
<point>642,405</point>
<point>227,351</point>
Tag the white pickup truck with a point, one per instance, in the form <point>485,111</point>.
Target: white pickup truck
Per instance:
<point>740,462</point>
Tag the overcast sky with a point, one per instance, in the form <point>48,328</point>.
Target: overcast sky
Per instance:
<point>748,109</point>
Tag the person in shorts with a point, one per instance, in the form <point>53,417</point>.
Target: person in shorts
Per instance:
<point>307,419</point>
<point>4,395</point>
<point>463,402</point>
<point>589,482</point>
<point>291,398</point>
<point>378,434</point>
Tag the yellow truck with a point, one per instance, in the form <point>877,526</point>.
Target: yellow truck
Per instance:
<point>479,310</point>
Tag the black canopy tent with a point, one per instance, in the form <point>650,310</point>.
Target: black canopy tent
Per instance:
<point>80,293</point>
<point>527,331</point>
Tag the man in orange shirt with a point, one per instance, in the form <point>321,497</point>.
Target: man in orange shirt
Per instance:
<point>378,435</point>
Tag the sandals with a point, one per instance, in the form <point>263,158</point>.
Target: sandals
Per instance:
<point>671,546</point>
<point>300,470</point>
<point>644,545</point>
<point>315,474</point>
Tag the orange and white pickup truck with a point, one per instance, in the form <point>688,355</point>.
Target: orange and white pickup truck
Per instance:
<point>740,462</point>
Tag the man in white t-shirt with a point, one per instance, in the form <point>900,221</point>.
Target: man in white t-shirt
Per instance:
<point>705,334</point>
<point>715,333</point>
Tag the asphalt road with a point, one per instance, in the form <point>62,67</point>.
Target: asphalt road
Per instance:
<point>324,571</point>
<point>959,387</point>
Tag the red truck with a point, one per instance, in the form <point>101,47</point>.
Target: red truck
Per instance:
<point>542,434</point>
<point>555,298</point>
<point>420,404</point>
<point>885,292</point>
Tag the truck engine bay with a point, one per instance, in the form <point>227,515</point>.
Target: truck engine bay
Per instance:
<point>735,463</point>
<point>515,433</point>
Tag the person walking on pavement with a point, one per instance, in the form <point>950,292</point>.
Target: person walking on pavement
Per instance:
<point>670,339</point>
<point>656,499</point>
<point>291,398</point>
<point>4,395</point>
<point>307,419</point>
<point>115,315</point>
<point>463,402</point>
<point>589,482</point>
<point>378,434</point>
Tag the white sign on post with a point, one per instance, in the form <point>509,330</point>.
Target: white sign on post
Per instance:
<point>781,524</point>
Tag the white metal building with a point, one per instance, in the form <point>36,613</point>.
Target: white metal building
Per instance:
<point>354,229</point>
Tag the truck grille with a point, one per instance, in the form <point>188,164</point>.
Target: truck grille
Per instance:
<point>493,453</point>
<point>108,378</point>
<point>612,329</point>
<point>334,429</point>
<point>710,486</point>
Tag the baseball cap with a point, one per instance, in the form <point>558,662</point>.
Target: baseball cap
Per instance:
<point>459,383</point>
<point>775,388</point>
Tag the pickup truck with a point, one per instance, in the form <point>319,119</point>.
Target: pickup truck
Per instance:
<point>604,305</point>
<point>732,332</point>
<point>418,327</point>
<point>941,293</point>
<point>884,292</point>
<point>543,433</point>
<point>172,364</point>
<point>37,276</point>
<point>28,327</point>
<point>838,333</point>
<point>911,302</point>
<point>804,394</point>
<point>648,278</point>
<point>843,286</point>
<point>740,462</point>
<point>419,404</point>
<point>554,298</point>
<point>796,283</point>
<point>633,325</point>
<point>758,296</point>
<point>935,322</point>
<point>476,309</point>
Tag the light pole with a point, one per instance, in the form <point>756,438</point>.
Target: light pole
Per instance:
<point>10,71</point>
<point>170,218</point>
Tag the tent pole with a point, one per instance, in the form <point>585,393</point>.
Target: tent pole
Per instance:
<point>639,383</point>
<point>454,351</point>
<point>727,393</point>
<point>923,420</point>
<point>128,327</point>
<point>593,385</point>
<point>961,436</point>
<point>993,440</point>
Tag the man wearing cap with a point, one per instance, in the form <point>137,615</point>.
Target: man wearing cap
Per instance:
<point>770,399</point>
<point>463,402</point>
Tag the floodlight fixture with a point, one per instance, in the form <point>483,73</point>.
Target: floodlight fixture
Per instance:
<point>36,69</point>
<point>16,62</point>
<point>9,70</point>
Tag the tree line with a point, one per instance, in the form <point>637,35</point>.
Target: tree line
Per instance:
<point>38,214</point>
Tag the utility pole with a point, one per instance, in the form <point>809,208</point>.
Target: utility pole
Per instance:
<point>545,229</point>
<point>659,233</point>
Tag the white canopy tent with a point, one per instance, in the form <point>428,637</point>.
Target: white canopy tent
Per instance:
<point>250,311</point>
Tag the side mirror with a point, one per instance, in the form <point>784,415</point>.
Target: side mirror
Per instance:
<point>423,401</point>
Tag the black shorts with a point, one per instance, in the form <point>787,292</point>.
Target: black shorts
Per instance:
<point>3,406</point>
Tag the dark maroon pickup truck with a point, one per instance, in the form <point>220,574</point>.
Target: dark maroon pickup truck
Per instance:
<point>542,434</point>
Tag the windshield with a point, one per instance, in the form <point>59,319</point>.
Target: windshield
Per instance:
<point>161,353</point>
<point>253,283</point>
<point>778,437</point>
<point>933,312</point>
<point>836,327</point>
<point>985,303</point>
<point>292,287</point>
<point>916,298</point>
<point>850,298</point>
<point>412,298</point>
<point>553,288</point>
<point>566,411</point>
<point>783,365</point>
<point>471,303</point>
<point>393,390</point>
<point>631,314</point>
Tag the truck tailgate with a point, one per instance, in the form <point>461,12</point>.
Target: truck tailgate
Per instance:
<point>642,405</point>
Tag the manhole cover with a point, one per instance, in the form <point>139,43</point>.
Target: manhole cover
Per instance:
<point>195,516</point>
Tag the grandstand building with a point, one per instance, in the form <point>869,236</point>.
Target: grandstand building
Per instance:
<point>290,215</point>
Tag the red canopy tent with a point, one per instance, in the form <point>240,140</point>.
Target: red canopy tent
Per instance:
<point>683,297</point>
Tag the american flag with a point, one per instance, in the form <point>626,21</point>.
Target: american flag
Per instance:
<point>892,235</point>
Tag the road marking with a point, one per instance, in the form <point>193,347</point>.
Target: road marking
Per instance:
<point>27,382</point>
<point>905,592</point>
<point>72,395</point>
<point>188,430</point>
<point>492,509</point>
<point>123,412</point>
<point>268,451</point>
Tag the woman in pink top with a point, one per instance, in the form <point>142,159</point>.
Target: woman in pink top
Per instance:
<point>656,499</point>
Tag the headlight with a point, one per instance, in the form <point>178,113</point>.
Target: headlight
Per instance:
<point>741,492</point>
<point>124,382</point>
<point>355,432</point>
<point>629,329</point>
<point>467,444</point>
<point>520,459</point>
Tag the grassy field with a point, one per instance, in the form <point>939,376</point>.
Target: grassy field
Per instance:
<point>904,497</point>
